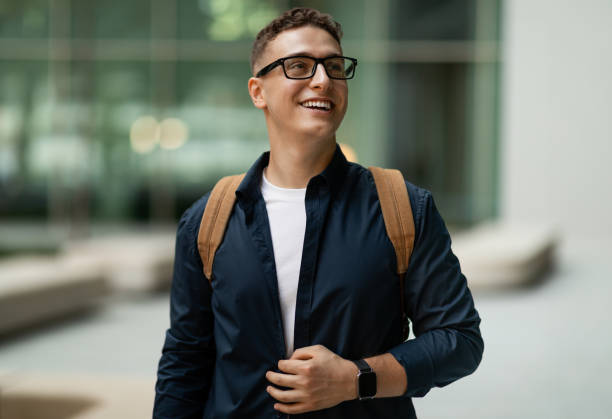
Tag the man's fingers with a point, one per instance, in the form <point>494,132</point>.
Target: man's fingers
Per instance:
<point>301,354</point>
<point>291,366</point>
<point>306,352</point>
<point>284,380</point>
<point>286,396</point>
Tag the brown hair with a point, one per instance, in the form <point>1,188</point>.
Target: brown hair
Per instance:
<point>291,19</point>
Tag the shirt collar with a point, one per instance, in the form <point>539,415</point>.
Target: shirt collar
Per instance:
<point>249,190</point>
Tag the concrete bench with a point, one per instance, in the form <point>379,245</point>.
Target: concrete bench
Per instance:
<point>36,289</point>
<point>499,254</point>
<point>132,262</point>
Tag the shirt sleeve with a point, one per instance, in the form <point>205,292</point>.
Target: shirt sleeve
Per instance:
<point>447,344</point>
<point>188,355</point>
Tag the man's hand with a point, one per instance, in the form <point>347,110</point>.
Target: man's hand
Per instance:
<point>317,378</point>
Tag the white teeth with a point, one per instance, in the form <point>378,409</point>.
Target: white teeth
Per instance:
<point>317,103</point>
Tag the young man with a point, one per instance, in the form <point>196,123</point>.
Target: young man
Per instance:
<point>304,286</point>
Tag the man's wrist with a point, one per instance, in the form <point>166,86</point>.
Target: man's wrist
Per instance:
<point>352,387</point>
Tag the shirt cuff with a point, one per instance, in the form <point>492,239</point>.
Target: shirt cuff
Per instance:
<point>418,367</point>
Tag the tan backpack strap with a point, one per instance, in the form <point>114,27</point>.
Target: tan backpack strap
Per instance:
<point>397,213</point>
<point>214,220</point>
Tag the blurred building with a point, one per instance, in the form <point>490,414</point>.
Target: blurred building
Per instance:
<point>129,111</point>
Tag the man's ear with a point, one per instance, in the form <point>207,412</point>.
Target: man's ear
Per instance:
<point>256,92</point>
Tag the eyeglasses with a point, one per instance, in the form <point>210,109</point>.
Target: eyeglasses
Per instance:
<point>300,67</point>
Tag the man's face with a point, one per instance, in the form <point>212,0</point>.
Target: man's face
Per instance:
<point>285,101</point>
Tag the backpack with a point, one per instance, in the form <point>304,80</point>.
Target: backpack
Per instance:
<point>394,203</point>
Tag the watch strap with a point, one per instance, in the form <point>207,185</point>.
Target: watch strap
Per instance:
<point>362,365</point>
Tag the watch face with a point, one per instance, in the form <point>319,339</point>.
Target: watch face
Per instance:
<point>367,384</point>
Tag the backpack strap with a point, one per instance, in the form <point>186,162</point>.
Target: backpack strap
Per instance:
<point>399,222</point>
<point>214,220</point>
<point>397,213</point>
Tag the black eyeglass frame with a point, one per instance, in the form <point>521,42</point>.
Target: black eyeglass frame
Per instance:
<point>318,61</point>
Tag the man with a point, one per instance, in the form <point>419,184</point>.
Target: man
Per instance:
<point>304,282</point>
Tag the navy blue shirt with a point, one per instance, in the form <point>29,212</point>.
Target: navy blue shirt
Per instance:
<point>225,334</point>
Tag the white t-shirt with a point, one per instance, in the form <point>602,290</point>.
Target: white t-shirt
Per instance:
<point>287,216</point>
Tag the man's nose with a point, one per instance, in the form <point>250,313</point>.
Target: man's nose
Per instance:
<point>320,78</point>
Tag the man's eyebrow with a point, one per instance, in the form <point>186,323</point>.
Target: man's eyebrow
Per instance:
<point>309,54</point>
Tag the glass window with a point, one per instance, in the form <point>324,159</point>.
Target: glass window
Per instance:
<point>142,105</point>
<point>438,20</point>
<point>110,19</point>
<point>225,20</point>
<point>23,20</point>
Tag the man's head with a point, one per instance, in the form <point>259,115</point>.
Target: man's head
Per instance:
<point>291,19</point>
<point>301,98</point>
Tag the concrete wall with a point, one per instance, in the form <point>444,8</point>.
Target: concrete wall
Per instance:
<point>556,145</point>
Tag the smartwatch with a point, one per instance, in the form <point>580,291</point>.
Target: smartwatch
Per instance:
<point>366,379</point>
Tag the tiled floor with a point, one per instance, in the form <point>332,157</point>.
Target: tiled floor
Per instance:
<point>547,348</point>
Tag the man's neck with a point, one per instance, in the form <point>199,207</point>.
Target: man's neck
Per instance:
<point>292,164</point>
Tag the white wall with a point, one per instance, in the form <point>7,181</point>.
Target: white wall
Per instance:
<point>556,148</point>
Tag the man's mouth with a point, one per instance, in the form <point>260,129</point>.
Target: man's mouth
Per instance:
<point>322,105</point>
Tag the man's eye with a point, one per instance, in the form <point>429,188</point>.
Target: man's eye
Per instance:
<point>336,66</point>
<point>297,65</point>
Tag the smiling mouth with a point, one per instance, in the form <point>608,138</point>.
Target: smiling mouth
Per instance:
<point>320,105</point>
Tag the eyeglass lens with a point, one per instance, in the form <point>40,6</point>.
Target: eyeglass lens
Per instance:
<point>302,67</point>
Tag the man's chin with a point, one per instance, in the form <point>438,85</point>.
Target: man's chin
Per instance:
<point>320,131</point>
